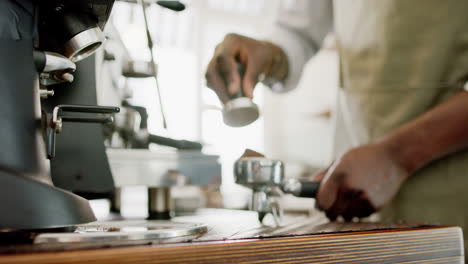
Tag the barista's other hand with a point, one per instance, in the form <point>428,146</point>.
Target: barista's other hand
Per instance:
<point>360,182</point>
<point>257,57</point>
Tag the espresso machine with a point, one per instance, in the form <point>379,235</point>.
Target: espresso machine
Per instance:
<point>53,156</point>
<point>139,156</point>
<point>44,46</point>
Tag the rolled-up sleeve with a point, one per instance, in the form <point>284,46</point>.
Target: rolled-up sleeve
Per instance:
<point>299,30</point>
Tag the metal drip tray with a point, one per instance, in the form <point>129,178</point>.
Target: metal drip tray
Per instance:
<point>123,231</point>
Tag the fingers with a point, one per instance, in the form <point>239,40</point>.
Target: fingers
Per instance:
<point>222,74</point>
<point>215,82</point>
<point>318,177</point>
<point>328,190</point>
<point>252,74</point>
<point>349,204</point>
<point>359,207</point>
<point>227,68</point>
<point>339,206</point>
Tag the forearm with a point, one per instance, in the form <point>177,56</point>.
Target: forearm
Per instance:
<point>299,31</point>
<point>439,132</point>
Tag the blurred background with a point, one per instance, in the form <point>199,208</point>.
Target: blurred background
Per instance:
<point>295,127</point>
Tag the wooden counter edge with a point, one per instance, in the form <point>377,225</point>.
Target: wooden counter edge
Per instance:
<point>443,244</point>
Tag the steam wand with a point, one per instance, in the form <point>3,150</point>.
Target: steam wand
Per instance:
<point>153,62</point>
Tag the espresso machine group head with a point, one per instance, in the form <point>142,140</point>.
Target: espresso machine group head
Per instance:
<point>42,40</point>
<point>73,28</point>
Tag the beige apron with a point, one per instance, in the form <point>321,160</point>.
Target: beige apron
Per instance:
<point>399,58</point>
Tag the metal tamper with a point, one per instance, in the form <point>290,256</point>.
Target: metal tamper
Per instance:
<point>266,178</point>
<point>240,111</point>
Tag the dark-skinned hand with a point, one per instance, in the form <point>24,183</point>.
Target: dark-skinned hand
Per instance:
<point>360,182</point>
<point>257,57</point>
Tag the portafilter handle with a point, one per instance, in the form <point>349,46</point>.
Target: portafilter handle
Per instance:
<point>301,188</point>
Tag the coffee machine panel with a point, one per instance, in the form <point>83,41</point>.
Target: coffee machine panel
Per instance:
<point>40,42</point>
<point>74,28</point>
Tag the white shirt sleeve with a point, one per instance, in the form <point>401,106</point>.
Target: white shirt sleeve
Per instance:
<point>299,30</point>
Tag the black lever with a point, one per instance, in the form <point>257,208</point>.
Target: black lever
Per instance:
<point>87,109</point>
<point>301,188</point>
<point>141,110</point>
<point>91,119</point>
<point>164,141</point>
<point>172,5</point>
<point>59,116</point>
<point>178,144</point>
<point>309,189</point>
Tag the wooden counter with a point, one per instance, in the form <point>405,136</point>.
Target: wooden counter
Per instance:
<point>236,237</point>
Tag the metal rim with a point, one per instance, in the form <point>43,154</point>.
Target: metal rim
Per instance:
<point>84,44</point>
<point>96,232</point>
<point>240,112</point>
<point>255,172</point>
<point>241,102</point>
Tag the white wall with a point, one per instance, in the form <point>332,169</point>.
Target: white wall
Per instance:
<point>297,128</point>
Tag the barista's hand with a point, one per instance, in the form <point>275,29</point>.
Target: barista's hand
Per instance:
<point>360,182</point>
<point>258,57</point>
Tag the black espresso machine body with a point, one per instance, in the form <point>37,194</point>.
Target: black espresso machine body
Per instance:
<point>29,29</point>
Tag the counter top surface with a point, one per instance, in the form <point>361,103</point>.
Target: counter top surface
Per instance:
<point>237,237</point>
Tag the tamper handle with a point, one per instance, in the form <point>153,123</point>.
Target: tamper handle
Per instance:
<point>241,71</point>
<point>240,110</point>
